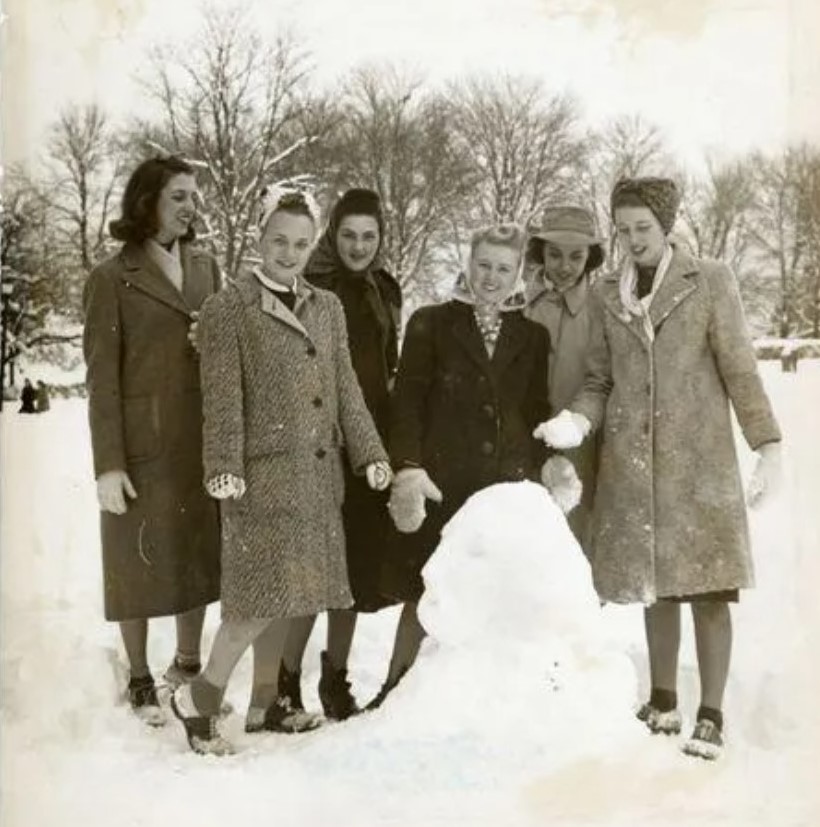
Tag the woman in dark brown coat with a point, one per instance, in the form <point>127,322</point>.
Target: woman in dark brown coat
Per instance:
<point>346,262</point>
<point>281,400</point>
<point>160,533</point>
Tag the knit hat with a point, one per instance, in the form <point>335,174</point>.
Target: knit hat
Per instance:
<point>660,195</point>
<point>564,225</point>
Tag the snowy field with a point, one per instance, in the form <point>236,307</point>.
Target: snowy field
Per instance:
<point>72,754</point>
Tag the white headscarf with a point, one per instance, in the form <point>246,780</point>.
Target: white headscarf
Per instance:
<point>270,199</point>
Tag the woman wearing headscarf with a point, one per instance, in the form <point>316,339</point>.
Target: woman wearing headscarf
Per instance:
<point>669,359</point>
<point>346,262</point>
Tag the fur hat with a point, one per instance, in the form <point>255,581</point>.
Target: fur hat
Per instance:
<point>660,195</point>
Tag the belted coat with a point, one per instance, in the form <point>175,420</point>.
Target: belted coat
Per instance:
<point>669,515</point>
<point>281,404</point>
<point>145,411</point>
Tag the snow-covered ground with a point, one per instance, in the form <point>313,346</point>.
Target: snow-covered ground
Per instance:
<point>73,754</point>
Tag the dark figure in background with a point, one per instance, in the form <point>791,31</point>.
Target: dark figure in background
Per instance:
<point>28,396</point>
<point>43,403</point>
<point>160,530</point>
<point>346,262</point>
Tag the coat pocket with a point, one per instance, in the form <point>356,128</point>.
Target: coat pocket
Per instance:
<point>265,442</point>
<point>141,425</point>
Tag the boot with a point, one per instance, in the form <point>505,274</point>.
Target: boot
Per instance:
<point>178,673</point>
<point>201,730</point>
<point>334,692</point>
<point>706,741</point>
<point>290,687</point>
<point>657,722</point>
<point>142,695</point>
<point>281,717</point>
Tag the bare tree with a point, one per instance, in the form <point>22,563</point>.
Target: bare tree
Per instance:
<point>523,143</point>
<point>229,103</point>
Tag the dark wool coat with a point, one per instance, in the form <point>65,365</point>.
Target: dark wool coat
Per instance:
<point>566,317</point>
<point>669,515</point>
<point>145,412</point>
<point>463,417</point>
<point>372,306</point>
<point>281,403</point>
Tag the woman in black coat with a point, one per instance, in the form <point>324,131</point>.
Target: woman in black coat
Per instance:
<point>346,262</point>
<point>471,386</point>
<point>160,533</point>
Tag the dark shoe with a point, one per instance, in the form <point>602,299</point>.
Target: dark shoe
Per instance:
<point>178,673</point>
<point>280,716</point>
<point>142,695</point>
<point>387,687</point>
<point>334,692</point>
<point>290,687</point>
<point>706,741</point>
<point>659,723</point>
<point>200,730</point>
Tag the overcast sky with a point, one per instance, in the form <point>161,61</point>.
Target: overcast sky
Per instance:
<point>716,75</point>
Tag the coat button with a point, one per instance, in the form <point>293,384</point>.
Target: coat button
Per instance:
<point>317,402</point>
<point>487,448</point>
<point>321,453</point>
<point>310,350</point>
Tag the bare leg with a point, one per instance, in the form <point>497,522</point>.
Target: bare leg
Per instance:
<point>135,640</point>
<point>713,640</point>
<point>662,622</point>
<point>295,644</point>
<point>189,636</point>
<point>267,655</point>
<point>409,635</point>
<point>341,624</point>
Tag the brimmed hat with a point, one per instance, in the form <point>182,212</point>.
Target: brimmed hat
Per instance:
<point>565,225</point>
<point>660,195</point>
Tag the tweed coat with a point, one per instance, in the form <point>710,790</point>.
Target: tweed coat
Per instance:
<point>566,317</point>
<point>145,411</point>
<point>464,417</point>
<point>281,403</point>
<point>669,515</point>
<point>372,305</point>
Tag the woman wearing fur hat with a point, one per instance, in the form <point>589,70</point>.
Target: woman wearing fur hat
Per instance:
<point>346,262</point>
<point>563,250</point>
<point>670,357</point>
<point>471,386</point>
<point>280,399</point>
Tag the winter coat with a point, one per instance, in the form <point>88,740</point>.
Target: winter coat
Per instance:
<point>145,413</point>
<point>372,306</point>
<point>281,403</point>
<point>669,515</point>
<point>566,317</point>
<point>464,417</point>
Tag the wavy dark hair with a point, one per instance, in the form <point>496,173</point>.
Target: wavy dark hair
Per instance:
<point>535,254</point>
<point>139,201</point>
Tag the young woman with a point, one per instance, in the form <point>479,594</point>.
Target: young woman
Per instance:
<point>563,251</point>
<point>345,262</point>
<point>280,400</point>
<point>670,351</point>
<point>160,533</point>
<point>473,382</point>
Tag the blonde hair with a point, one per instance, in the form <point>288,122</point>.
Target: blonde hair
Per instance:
<point>502,235</point>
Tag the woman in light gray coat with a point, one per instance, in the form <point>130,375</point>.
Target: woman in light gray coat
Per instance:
<point>280,400</point>
<point>670,352</point>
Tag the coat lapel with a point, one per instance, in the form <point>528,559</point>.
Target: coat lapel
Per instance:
<point>143,274</point>
<point>675,287</point>
<point>468,335</point>
<point>612,301</point>
<point>511,340</point>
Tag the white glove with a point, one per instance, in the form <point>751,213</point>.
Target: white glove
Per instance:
<point>112,488</point>
<point>766,476</point>
<point>193,330</point>
<point>560,478</point>
<point>378,475</point>
<point>223,486</point>
<point>411,487</point>
<point>566,430</point>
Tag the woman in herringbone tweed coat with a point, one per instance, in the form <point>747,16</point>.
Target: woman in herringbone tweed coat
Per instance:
<point>281,400</point>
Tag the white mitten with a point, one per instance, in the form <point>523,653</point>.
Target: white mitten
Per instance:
<point>223,486</point>
<point>767,475</point>
<point>378,475</point>
<point>566,430</point>
<point>411,487</point>
<point>561,480</point>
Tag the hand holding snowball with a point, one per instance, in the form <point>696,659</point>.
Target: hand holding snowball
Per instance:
<point>566,430</point>
<point>560,478</point>
<point>411,487</point>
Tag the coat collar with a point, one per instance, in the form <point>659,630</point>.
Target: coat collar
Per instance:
<point>254,292</point>
<point>573,299</point>
<point>144,273</point>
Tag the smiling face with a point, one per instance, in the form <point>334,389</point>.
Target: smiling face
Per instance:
<point>564,263</point>
<point>640,234</point>
<point>285,245</point>
<point>357,241</point>
<point>493,272</point>
<point>176,208</point>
